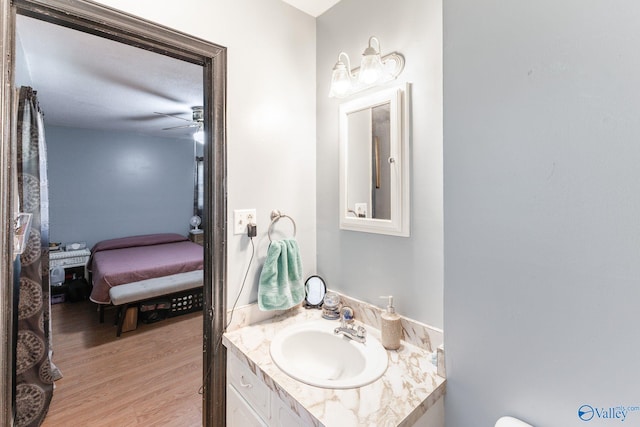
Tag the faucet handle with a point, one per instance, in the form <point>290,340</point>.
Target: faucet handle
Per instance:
<point>361,332</point>
<point>346,315</point>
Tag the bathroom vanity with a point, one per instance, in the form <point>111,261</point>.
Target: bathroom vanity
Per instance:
<point>409,393</point>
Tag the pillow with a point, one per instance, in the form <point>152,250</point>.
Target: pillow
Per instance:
<point>133,241</point>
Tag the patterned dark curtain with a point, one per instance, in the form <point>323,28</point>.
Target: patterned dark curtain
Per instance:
<point>34,382</point>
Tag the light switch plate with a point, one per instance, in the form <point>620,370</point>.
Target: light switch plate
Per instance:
<point>242,218</point>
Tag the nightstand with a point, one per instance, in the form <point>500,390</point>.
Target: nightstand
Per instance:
<point>70,259</point>
<point>197,237</point>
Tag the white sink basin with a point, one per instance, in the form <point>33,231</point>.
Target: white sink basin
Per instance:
<point>312,353</point>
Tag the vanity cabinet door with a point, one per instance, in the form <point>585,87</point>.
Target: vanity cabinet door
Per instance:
<point>283,416</point>
<point>239,413</point>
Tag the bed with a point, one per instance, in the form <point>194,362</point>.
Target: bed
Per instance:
<point>126,260</point>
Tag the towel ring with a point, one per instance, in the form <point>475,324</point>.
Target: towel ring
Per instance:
<point>275,216</point>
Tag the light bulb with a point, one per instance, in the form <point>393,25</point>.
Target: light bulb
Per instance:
<point>340,82</point>
<point>198,136</point>
<point>371,68</point>
<point>341,78</point>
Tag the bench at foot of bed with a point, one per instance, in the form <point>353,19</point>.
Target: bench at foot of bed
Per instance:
<point>174,288</point>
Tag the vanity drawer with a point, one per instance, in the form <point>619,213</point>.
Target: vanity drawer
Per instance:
<point>239,413</point>
<point>250,387</point>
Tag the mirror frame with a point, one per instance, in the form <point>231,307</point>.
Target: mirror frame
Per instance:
<point>314,285</point>
<point>399,98</point>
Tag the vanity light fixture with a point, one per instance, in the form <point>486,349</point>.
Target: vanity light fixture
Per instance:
<point>373,70</point>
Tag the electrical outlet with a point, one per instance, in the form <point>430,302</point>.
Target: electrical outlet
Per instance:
<point>242,218</point>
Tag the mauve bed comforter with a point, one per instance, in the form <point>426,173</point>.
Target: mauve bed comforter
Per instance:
<point>130,259</point>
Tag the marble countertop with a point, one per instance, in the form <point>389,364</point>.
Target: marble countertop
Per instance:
<point>409,387</point>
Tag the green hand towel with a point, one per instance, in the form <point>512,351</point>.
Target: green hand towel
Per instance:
<point>280,285</point>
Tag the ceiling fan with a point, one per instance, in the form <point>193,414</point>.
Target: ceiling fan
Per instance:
<point>197,119</point>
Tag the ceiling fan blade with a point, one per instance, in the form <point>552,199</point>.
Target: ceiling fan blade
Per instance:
<point>141,118</point>
<point>172,115</point>
<point>192,125</point>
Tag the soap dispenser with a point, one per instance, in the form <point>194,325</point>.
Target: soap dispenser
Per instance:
<point>391,330</point>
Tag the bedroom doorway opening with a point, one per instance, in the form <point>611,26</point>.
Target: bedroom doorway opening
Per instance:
<point>108,23</point>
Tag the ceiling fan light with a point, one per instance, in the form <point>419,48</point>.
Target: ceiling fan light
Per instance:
<point>197,114</point>
<point>198,136</point>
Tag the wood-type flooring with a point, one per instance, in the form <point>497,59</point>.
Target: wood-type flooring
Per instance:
<point>148,377</point>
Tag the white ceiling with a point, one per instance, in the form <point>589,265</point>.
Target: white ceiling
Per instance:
<point>314,8</point>
<point>85,81</point>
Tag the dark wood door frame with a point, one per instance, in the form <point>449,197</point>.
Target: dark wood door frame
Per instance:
<point>106,22</point>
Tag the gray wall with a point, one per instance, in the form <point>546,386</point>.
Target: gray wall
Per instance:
<point>22,75</point>
<point>366,265</point>
<point>542,210</point>
<point>113,184</point>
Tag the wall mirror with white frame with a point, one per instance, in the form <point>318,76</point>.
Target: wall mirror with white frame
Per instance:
<point>375,162</point>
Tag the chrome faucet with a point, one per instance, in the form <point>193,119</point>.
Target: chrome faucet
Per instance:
<point>347,329</point>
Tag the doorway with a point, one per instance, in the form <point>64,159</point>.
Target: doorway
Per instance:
<point>105,22</point>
